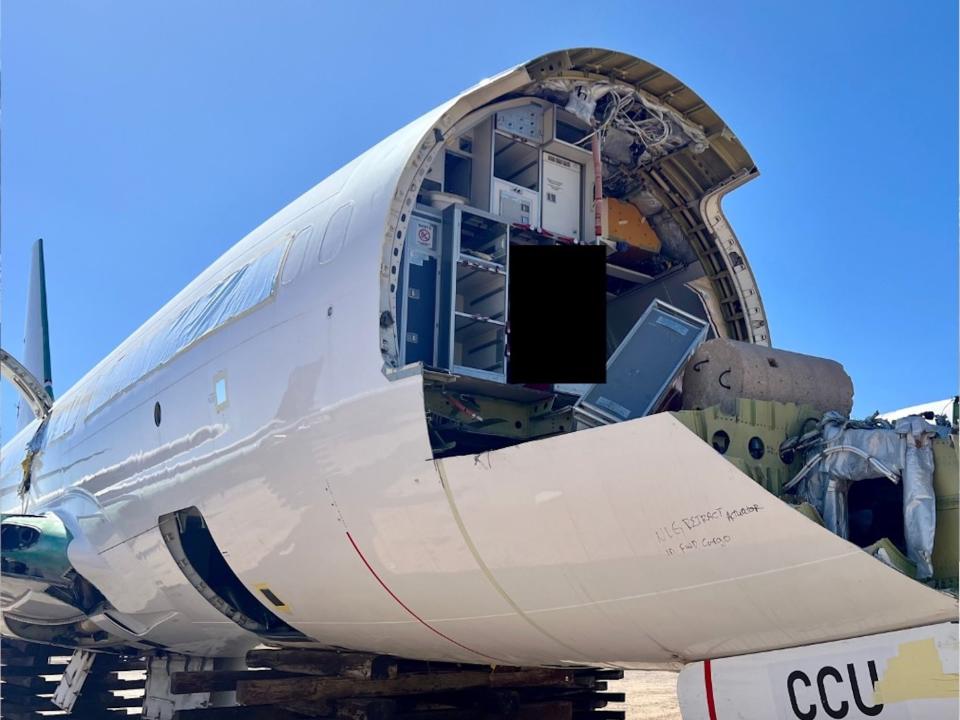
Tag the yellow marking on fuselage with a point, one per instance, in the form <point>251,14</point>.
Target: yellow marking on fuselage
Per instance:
<point>916,673</point>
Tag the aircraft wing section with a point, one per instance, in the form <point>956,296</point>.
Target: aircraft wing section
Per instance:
<point>637,543</point>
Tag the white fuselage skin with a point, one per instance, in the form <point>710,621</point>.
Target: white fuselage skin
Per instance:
<point>317,479</point>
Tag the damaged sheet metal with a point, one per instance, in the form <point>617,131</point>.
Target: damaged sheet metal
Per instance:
<point>840,452</point>
<point>32,449</point>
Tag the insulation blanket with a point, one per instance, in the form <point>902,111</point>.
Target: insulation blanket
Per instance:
<point>850,452</point>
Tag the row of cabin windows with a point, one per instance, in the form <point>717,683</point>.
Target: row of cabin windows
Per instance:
<point>238,293</point>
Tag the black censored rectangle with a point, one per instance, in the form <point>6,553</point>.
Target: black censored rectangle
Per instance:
<point>557,314</point>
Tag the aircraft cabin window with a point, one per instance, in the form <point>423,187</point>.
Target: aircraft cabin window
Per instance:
<point>336,233</point>
<point>220,391</point>
<point>298,250</point>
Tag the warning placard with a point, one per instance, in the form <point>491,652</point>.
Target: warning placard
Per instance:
<point>424,234</point>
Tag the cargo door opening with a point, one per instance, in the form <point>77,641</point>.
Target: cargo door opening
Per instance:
<point>188,538</point>
<point>516,287</point>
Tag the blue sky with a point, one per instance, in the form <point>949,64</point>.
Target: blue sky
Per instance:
<point>143,139</point>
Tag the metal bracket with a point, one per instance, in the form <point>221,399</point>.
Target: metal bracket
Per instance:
<point>73,679</point>
<point>159,702</point>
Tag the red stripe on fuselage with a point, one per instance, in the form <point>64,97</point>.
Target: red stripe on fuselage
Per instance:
<point>412,613</point>
<point>708,687</point>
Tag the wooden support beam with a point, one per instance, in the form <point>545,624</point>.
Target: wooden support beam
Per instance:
<point>446,714</point>
<point>21,715</point>
<point>366,709</point>
<point>112,663</point>
<point>26,705</point>
<point>237,713</point>
<point>266,692</point>
<point>612,697</point>
<point>10,692</point>
<point>12,660</point>
<point>23,647</point>
<point>106,700</point>
<point>360,666</point>
<point>186,683</point>
<point>31,681</point>
<point>13,710</point>
<point>32,671</point>
<point>595,701</point>
<point>310,709</point>
<point>112,682</point>
<point>557,710</point>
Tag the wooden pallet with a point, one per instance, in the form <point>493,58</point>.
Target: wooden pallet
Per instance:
<point>29,674</point>
<point>291,683</point>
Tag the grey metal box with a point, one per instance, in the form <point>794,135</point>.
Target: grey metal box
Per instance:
<point>644,365</point>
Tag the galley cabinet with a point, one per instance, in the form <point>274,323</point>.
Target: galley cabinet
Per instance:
<point>473,293</point>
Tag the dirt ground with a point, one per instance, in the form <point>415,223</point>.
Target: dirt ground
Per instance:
<point>650,695</point>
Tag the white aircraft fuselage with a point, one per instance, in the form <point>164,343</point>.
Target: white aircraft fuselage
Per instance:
<point>287,423</point>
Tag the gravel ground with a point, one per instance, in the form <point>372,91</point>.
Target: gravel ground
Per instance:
<point>650,695</point>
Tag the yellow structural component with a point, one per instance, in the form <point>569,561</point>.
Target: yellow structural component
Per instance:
<point>893,556</point>
<point>946,488</point>
<point>622,222</point>
<point>499,416</point>
<point>751,438</point>
<point>809,512</point>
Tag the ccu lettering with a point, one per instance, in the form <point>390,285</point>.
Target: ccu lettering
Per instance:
<point>836,708</point>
